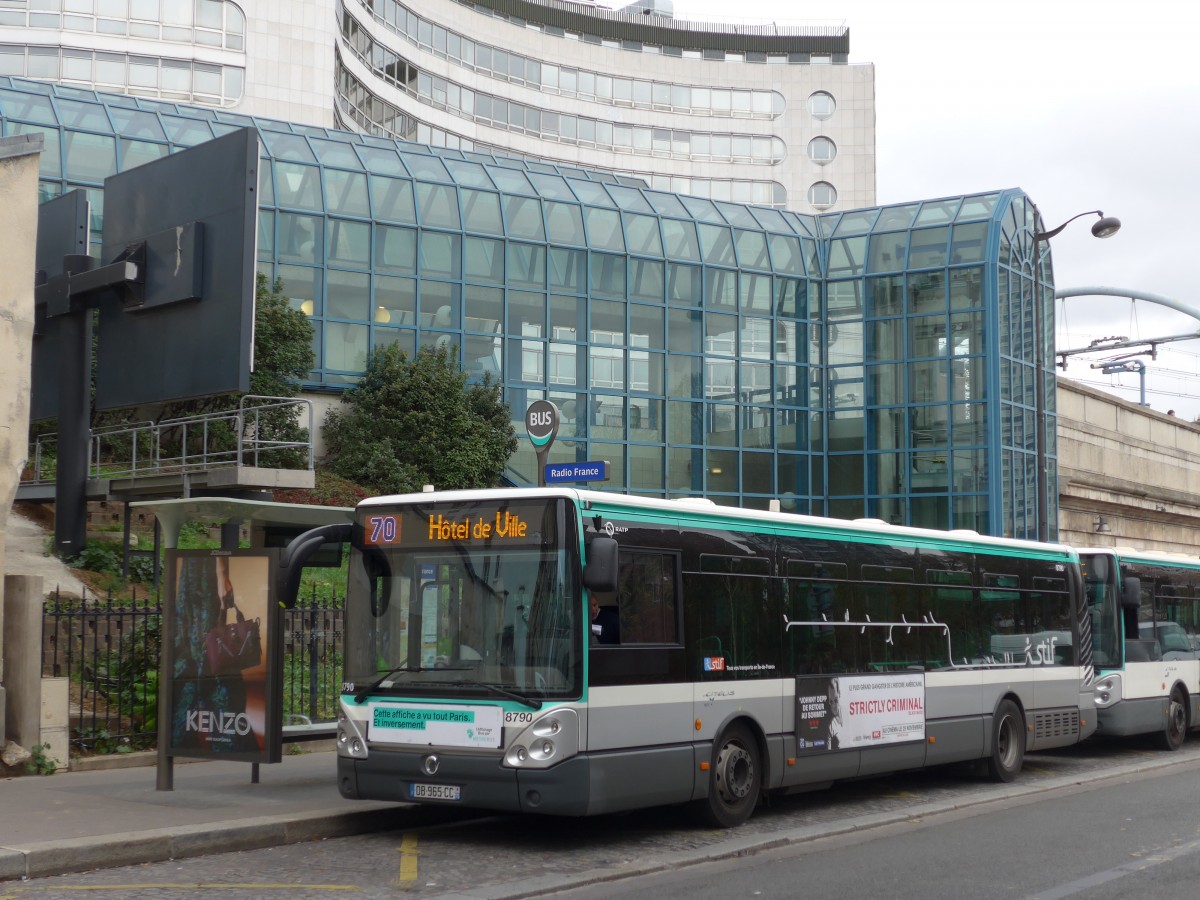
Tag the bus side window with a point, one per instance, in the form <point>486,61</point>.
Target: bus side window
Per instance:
<point>647,602</point>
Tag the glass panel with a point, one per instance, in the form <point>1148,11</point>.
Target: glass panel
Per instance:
<point>527,265</point>
<point>526,314</point>
<point>346,346</point>
<point>349,295</point>
<point>680,240</point>
<point>395,249</point>
<point>564,223</point>
<point>928,248</point>
<point>426,167</point>
<point>300,238</point>
<point>137,153</point>
<point>287,147</point>
<point>643,235</point>
<point>304,288</point>
<point>604,229</point>
<point>297,185</point>
<point>481,212</point>
<point>568,270</point>
<point>349,243</point>
<point>395,300</point>
<point>336,153</point>
<point>439,305</point>
<point>440,255</point>
<point>524,217</point>
<point>607,276</point>
<point>346,193</point>
<point>437,205</point>
<point>137,124</point>
<point>90,157</point>
<point>718,245</point>
<point>484,260</point>
<point>647,279</point>
<point>887,252</point>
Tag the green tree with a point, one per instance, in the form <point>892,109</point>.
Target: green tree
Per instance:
<point>283,355</point>
<point>408,423</point>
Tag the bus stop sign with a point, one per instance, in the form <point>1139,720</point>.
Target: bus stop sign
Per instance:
<point>541,422</point>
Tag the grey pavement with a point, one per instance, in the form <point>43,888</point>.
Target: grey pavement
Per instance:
<point>82,820</point>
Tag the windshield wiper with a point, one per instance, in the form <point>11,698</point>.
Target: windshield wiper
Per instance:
<point>372,688</point>
<point>523,699</point>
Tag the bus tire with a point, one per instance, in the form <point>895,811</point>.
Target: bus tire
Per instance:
<point>1175,731</point>
<point>734,779</point>
<point>1008,743</point>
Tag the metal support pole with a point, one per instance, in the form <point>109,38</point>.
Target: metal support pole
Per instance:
<point>74,411</point>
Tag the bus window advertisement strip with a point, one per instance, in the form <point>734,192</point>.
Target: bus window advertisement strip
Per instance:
<point>441,726</point>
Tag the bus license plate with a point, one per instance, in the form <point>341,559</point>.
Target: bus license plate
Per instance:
<point>435,792</point>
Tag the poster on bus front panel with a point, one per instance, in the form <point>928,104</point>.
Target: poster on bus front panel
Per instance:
<point>852,712</point>
<point>220,657</point>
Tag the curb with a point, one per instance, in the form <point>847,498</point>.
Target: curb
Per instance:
<point>47,858</point>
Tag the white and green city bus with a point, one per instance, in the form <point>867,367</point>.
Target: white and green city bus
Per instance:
<point>1145,611</point>
<point>573,652</point>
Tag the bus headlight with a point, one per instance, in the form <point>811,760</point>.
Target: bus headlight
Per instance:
<point>1107,690</point>
<point>547,741</point>
<point>351,740</point>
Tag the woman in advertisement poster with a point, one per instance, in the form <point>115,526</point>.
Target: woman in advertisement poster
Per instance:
<point>834,711</point>
<point>218,672</point>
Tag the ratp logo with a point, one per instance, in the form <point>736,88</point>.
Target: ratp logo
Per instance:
<point>714,664</point>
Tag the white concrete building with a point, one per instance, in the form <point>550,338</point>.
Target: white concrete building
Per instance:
<point>753,114</point>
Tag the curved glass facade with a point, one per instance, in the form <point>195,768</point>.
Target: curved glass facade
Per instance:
<point>868,363</point>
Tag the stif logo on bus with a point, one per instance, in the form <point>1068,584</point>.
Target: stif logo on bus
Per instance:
<point>714,664</point>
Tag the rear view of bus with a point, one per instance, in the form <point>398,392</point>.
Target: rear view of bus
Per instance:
<point>464,648</point>
<point>1145,611</point>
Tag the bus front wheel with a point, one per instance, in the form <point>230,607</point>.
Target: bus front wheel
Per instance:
<point>1008,742</point>
<point>735,779</point>
<point>1177,720</point>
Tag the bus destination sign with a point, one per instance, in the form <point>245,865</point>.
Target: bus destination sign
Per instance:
<point>413,529</point>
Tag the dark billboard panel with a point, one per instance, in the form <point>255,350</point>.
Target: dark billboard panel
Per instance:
<point>62,231</point>
<point>185,335</point>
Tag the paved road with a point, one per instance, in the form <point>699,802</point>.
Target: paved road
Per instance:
<point>509,856</point>
<point>1130,836</point>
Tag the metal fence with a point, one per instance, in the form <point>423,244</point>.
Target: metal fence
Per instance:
<point>110,653</point>
<point>246,436</point>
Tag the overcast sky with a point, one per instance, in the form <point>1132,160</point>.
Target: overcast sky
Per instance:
<point>1084,105</point>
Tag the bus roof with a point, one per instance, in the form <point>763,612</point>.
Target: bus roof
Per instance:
<point>699,509</point>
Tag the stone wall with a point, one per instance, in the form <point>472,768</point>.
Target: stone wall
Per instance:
<point>19,157</point>
<point>1130,467</point>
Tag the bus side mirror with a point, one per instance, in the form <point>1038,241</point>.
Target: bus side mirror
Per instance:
<point>600,573</point>
<point>1131,593</point>
<point>300,548</point>
<point>1098,569</point>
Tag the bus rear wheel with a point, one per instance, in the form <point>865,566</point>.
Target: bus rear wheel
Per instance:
<point>1008,743</point>
<point>1177,720</point>
<point>735,779</point>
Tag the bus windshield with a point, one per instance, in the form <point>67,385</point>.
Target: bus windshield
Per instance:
<point>467,599</point>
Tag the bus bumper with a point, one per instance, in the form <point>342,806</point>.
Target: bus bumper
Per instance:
<point>483,781</point>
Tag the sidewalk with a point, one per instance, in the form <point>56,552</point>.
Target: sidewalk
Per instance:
<point>71,822</point>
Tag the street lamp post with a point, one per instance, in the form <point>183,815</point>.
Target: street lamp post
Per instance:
<point>1105,227</point>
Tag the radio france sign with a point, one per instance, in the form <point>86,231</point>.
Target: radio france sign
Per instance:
<point>559,473</point>
<point>541,423</point>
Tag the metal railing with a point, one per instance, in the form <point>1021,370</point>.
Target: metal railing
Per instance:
<point>238,437</point>
<point>109,652</point>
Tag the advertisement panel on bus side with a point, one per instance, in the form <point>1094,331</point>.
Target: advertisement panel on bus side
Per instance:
<point>851,712</point>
